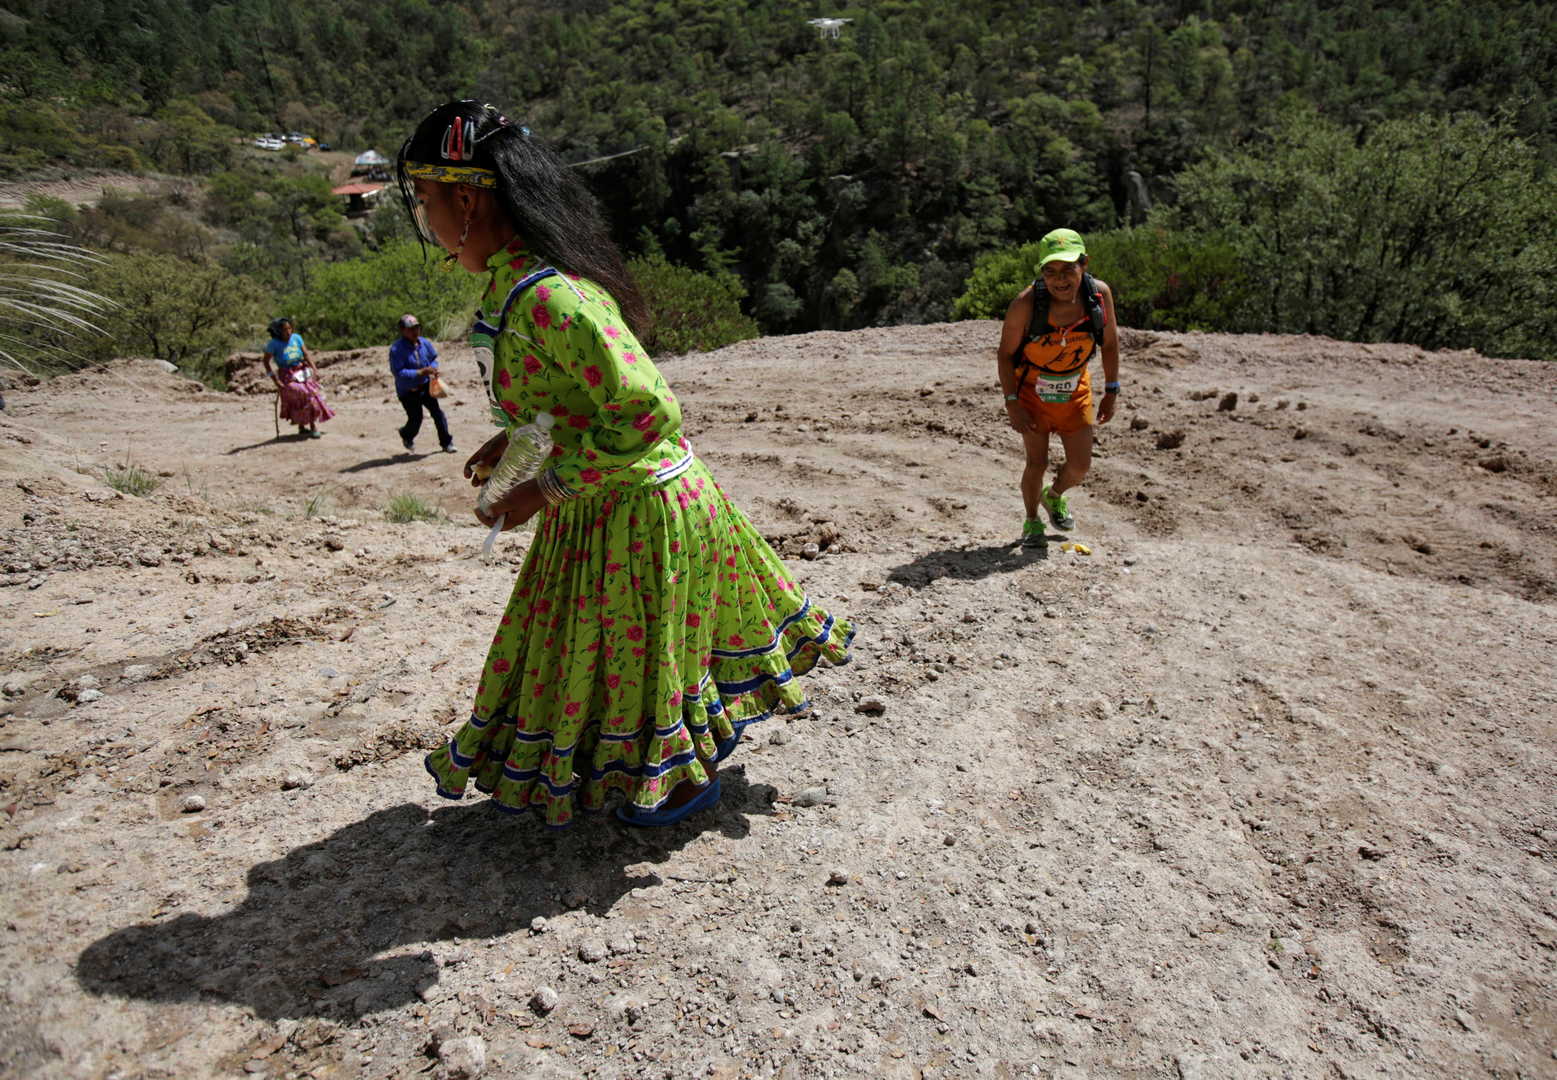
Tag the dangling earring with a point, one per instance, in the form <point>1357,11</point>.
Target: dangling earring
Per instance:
<point>451,260</point>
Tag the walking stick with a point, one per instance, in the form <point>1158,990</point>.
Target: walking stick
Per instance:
<point>278,412</point>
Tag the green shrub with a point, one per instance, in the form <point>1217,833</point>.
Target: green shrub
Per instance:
<point>191,314</point>
<point>996,279</point>
<point>405,507</point>
<point>123,158</point>
<point>1433,230</point>
<point>130,479</point>
<point>1161,280</point>
<point>319,504</point>
<point>690,311</point>
<point>354,304</point>
<point>1166,280</point>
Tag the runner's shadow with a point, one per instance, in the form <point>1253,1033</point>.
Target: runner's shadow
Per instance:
<point>966,565</point>
<point>379,463</point>
<point>309,938</point>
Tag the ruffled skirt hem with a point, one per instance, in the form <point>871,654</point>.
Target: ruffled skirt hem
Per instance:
<point>646,633</point>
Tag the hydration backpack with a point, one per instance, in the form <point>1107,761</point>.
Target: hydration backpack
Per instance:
<point>1091,302</point>
<point>1038,324</point>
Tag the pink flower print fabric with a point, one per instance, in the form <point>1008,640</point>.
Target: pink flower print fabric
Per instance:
<point>651,622</point>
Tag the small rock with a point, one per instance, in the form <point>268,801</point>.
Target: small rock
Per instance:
<point>191,804</point>
<point>88,695</point>
<point>1462,1018</point>
<point>87,682</point>
<point>255,1065</point>
<point>871,706</point>
<point>1170,440</point>
<point>623,945</point>
<point>949,840</point>
<point>810,551</point>
<point>296,781</point>
<point>329,673</point>
<point>779,737</point>
<point>837,877</point>
<point>544,1000</point>
<point>815,796</point>
<point>1139,423</point>
<point>12,688</point>
<point>1228,403</point>
<point>464,1058</point>
<point>137,672</point>
<point>1129,560</point>
<point>538,925</point>
<point>334,543</point>
<point>592,951</point>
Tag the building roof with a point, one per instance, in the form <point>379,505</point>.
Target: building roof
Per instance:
<point>357,189</point>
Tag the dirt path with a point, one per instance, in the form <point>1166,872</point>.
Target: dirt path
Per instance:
<point>1261,787</point>
<point>78,191</point>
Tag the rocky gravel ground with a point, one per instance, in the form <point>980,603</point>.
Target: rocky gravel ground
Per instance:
<point>1259,785</point>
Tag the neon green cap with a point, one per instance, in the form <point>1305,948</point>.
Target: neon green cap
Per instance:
<point>1064,245</point>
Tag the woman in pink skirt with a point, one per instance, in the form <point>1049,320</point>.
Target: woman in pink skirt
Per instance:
<point>302,402</point>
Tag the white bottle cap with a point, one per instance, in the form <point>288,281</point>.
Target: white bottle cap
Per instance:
<point>544,420</point>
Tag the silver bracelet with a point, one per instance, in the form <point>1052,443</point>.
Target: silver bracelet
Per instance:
<point>553,490</point>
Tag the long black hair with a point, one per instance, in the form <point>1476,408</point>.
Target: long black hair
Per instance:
<point>547,203</point>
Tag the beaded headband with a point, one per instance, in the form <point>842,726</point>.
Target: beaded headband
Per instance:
<point>458,145</point>
<point>452,174</point>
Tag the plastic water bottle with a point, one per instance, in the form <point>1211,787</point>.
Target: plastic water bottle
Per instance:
<point>529,445</point>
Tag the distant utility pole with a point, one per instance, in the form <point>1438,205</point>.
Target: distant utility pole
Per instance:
<point>270,83</point>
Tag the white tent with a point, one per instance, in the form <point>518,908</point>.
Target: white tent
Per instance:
<point>371,157</point>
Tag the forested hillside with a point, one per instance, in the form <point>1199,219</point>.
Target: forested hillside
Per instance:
<point>856,180</point>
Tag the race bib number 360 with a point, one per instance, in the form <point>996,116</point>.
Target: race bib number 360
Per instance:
<point>1058,387</point>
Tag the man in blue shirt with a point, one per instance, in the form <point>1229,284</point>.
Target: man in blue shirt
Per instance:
<point>413,360</point>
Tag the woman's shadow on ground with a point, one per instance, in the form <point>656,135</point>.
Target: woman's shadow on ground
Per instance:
<point>304,940</point>
<point>966,564</point>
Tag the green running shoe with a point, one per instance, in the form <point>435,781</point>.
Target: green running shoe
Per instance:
<point>1059,511</point>
<point>1033,534</point>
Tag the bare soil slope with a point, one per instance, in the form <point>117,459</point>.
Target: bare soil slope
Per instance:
<point>1263,786</point>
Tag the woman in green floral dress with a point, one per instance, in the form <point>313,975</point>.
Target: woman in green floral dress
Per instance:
<point>651,622</point>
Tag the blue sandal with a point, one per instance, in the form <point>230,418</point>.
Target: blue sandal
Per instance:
<point>703,800</point>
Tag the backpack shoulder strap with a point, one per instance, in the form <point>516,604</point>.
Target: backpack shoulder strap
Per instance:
<point>1092,301</point>
<point>1038,317</point>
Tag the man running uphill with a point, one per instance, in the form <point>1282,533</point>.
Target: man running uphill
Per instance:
<point>1052,330</point>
